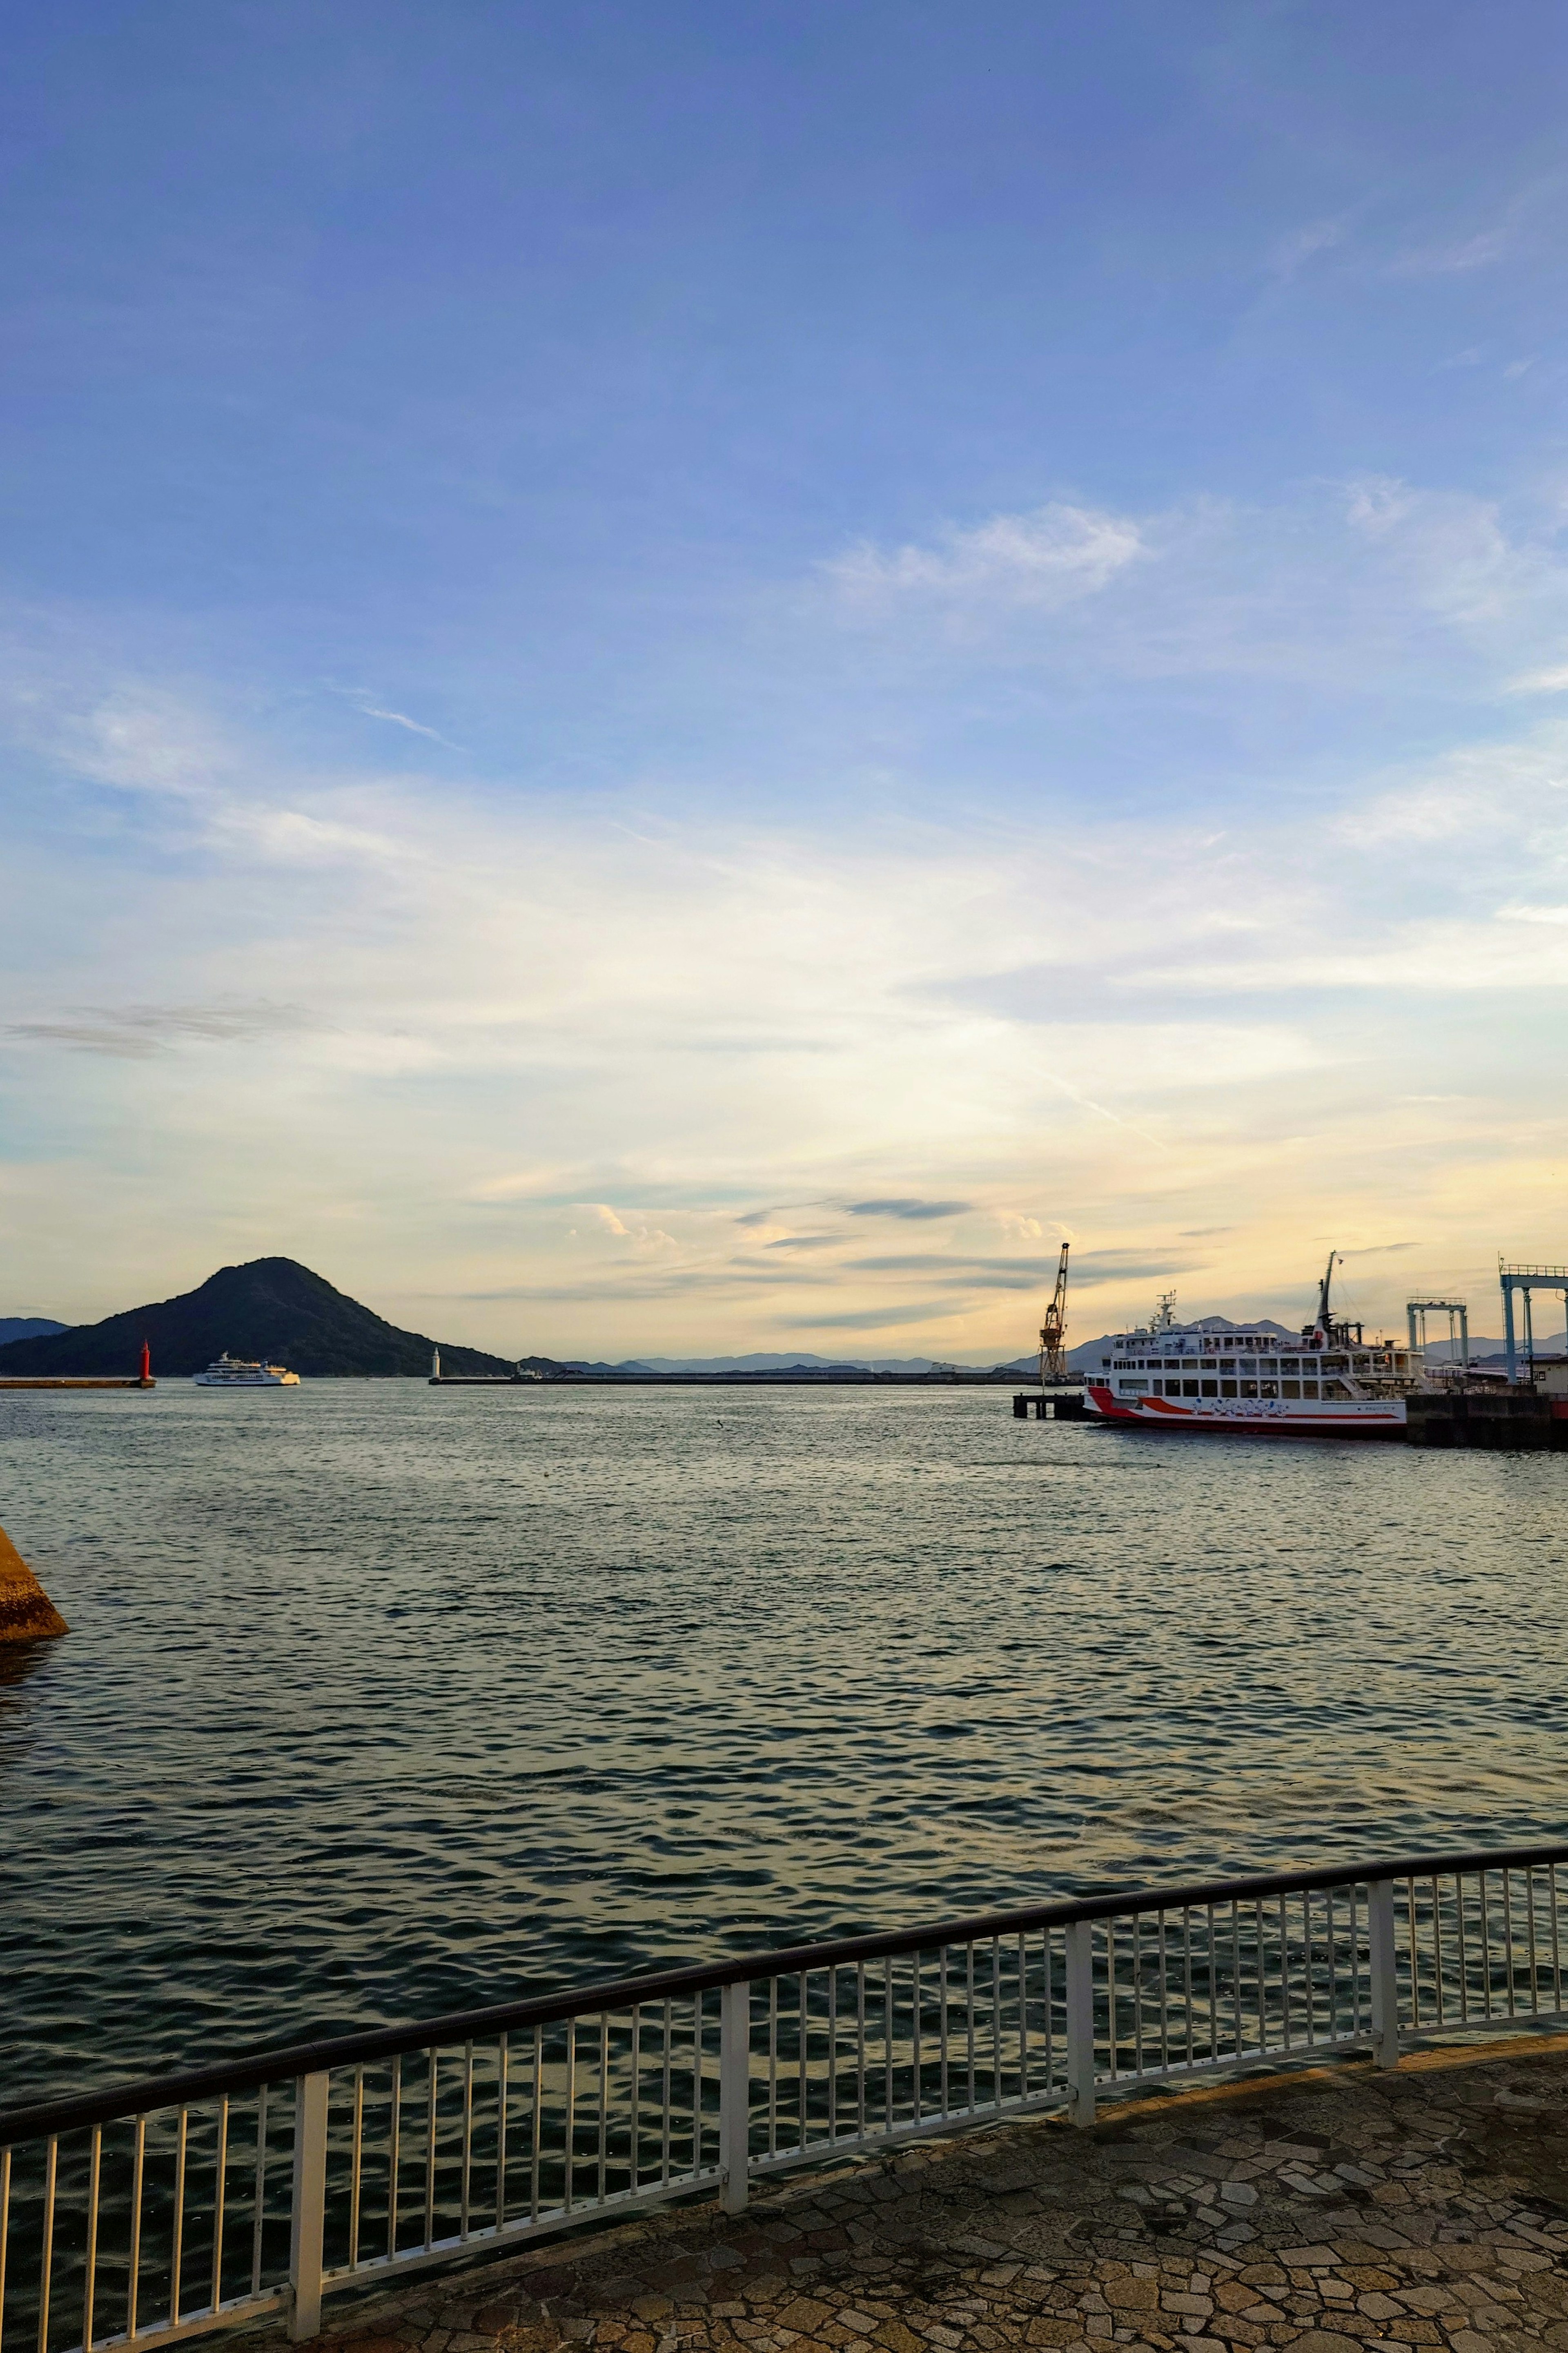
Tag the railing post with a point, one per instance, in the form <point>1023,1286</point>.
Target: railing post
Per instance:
<point>309,2206</point>
<point>1080,2020</point>
<point>1384,1973</point>
<point>734,2096</point>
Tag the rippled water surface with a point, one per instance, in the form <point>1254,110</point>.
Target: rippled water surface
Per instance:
<point>381,1700</point>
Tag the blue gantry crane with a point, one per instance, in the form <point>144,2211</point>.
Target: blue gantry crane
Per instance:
<point>1526,1280</point>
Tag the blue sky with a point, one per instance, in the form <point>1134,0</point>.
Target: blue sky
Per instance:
<point>621,630</point>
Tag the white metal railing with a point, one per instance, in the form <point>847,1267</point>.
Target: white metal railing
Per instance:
<point>168,2208</point>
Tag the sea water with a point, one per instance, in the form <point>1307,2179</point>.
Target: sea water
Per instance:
<point>381,1700</point>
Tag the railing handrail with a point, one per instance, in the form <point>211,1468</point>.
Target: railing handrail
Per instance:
<point>283,2062</point>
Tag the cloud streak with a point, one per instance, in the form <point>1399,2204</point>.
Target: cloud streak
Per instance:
<point>1053,555</point>
<point>401,719</point>
<point>132,1032</point>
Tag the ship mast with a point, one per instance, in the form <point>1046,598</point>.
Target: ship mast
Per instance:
<point>1338,1335</point>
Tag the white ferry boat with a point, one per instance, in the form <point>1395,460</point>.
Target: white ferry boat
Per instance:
<point>232,1373</point>
<point>1251,1378</point>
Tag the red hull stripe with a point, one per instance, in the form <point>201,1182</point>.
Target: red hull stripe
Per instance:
<point>1162,1413</point>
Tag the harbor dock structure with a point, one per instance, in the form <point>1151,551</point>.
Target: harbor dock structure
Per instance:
<point>1523,1280</point>
<point>1530,1421</point>
<point>138,1381</point>
<point>440,1381</point>
<point>1525,1410</point>
<point>26,1613</point>
<point>1064,1403</point>
<point>1417,1312</point>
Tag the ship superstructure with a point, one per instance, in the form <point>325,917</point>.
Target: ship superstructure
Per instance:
<point>227,1372</point>
<point>1328,1382</point>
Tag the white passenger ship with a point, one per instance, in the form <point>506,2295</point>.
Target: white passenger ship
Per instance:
<point>1251,1377</point>
<point>229,1372</point>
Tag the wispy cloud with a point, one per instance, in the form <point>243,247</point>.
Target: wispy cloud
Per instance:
<point>1452,258</point>
<point>131,1032</point>
<point>1347,585</point>
<point>1303,244</point>
<point>906,1316</point>
<point>1052,555</point>
<point>905,1208</point>
<point>401,719</point>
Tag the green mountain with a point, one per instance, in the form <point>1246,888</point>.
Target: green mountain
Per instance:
<point>272,1308</point>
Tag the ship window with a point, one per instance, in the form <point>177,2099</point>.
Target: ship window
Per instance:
<point>1290,1389</point>
<point>1335,1390</point>
<point>1334,1364</point>
<point>1211,1389</point>
<point>1210,1364</point>
<point>1267,1388</point>
<point>1250,1389</point>
<point>1172,1363</point>
<point>1308,1363</point>
<point>1189,1388</point>
<point>1309,1389</point>
<point>1134,1388</point>
<point>1250,1364</point>
<point>1227,1388</point>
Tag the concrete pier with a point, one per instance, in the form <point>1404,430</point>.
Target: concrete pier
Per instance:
<point>68,1381</point>
<point>1520,1419</point>
<point>1051,1405</point>
<point>26,1613</point>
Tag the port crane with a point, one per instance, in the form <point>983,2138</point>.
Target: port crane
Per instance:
<point>1053,1331</point>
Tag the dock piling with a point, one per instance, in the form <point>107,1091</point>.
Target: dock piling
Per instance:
<point>1048,1405</point>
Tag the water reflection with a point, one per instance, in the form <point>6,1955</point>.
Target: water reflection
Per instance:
<point>400,1699</point>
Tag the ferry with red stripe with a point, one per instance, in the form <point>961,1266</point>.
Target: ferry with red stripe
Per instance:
<point>1244,1379</point>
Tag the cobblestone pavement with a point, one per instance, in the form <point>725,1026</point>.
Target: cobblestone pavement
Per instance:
<point>1349,2209</point>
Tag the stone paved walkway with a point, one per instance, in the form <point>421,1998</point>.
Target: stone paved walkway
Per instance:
<point>1348,2209</point>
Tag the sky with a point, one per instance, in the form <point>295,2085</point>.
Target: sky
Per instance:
<point>694,679</point>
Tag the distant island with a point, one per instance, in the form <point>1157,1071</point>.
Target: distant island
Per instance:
<point>275,1308</point>
<point>272,1307</point>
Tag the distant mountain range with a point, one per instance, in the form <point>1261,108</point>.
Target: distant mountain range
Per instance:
<point>27,1328</point>
<point>276,1308</point>
<point>763,1363</point>
<point>273,1307</point>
